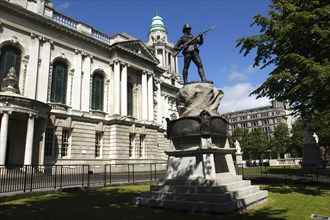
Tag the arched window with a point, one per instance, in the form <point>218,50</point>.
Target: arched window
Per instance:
<point>129,99</point>
<point>9,57</point>
<point>59,82</point>
<point>97,91</point>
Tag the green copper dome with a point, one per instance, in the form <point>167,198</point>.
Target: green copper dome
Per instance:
<point>157,24</point>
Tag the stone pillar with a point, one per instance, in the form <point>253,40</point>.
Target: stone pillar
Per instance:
<point>76,84</point>
<point>42,146</point>
<point>150,98</point>
<point>159,104</point>
<point>29,141</point>
<point>85,87</point>
<point>144,100</point>
<point>3,137</point>
<point>32,68</point>
<point>116,86</point>
<point>124,90</point>
<point>43,80</point>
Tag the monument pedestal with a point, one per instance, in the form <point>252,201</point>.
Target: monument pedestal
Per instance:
<point>201,176</point>
<point>203,180</point>
<point>239,160</point>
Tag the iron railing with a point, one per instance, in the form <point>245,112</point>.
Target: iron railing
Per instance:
<point>286,172</point>
<point>28,178</point>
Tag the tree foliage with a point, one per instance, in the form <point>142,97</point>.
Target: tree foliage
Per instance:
<point>295,38</point>
<point>281,139</point>
<point>296,143</point>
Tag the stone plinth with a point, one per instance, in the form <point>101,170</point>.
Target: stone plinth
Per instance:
<point>201,176</point>
<point>203,180</point>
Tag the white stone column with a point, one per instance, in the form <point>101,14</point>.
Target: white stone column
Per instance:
<point>144,99</point>
<point>159,104</point>
<point>150,98</point>
<point>29,141</point>
<point>116,87</point>
<point>176,65</point>
<point>3,137</point>
<point>76,84</point>
<point>164,58</point>
<point>42,85</point>
<point>85,87</point>
<point>32,68</point>
<point>41,158</point>
<point>124,90</point>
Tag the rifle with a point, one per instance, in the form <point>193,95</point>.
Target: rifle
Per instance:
<point>184,45</point>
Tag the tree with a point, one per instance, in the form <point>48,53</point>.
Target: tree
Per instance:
<point>281,139</point>
<point>258,143</point>
<point>295,38</point>
<point>296,143</point>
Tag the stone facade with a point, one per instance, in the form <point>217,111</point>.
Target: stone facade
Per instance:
<point>267,118</point>
<point>109,95</point>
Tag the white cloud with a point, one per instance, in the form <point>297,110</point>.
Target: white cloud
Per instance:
<point>237,98</point>
<point>241,75</point>
<point>63,6</point>
<point>236,75</point>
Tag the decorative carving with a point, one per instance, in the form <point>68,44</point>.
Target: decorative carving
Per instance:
<point>10,82</point>
<point>205,126</point>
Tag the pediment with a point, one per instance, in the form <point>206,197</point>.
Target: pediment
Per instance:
<point>138,48</point>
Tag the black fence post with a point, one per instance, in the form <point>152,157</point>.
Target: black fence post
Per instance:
<point>25,173</point>
<point>88,176</point>
<point>133,173</point>
<point>61,176</point>
<point>55,176</point>
<point>110,173</point>
<point>105,176</point>
<point>31,179</point>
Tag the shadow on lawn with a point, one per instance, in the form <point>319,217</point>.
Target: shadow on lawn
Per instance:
<point>113,203</point>
<point>315,190</point>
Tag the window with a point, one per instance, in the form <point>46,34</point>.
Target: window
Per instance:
<point>59,82</point>
<point>49,142</point>
<point>130,99</point>
<point>97,91</point>
<point>65,142</point>
<point>142,145</point>
<point>9,57</point>
<point>131,145</point>
<point>98,144</point>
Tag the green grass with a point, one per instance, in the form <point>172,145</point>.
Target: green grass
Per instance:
<point>112,203</point>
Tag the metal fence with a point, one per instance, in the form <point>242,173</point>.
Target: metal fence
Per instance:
<point>28,178</point>
<point>286,173</point>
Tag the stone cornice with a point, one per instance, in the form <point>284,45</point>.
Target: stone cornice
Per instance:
<point>26,14</point>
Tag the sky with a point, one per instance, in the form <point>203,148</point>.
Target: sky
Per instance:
<point>223,64</point>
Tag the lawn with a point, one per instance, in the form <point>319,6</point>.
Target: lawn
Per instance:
<point>112,203</point>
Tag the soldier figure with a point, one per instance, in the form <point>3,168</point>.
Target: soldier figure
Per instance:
<point>190,51</point>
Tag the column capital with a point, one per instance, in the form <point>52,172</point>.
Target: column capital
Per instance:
<point>6,112</point>
<point>33,116</point>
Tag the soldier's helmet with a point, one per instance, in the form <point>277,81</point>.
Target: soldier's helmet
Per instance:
<point>186,27</point>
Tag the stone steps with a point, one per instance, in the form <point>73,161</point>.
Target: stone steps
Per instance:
<point>223,207</point>
<point>203,195</point>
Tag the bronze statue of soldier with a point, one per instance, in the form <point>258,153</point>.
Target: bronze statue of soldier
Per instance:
<point>188,44</point>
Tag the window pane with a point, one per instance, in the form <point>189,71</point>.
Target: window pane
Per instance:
<point>130,99</point>
<point>97,92</point>
<point>65,142</point>
<point>49,142</point>
<point>59,83</point>
<point>9,57</point>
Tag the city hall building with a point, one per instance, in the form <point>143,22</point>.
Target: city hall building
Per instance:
<point>71,94</point>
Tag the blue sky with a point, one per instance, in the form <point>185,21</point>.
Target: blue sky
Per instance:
<point>223,64</point>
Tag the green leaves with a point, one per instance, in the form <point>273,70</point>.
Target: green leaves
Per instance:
<point>295,37</point>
